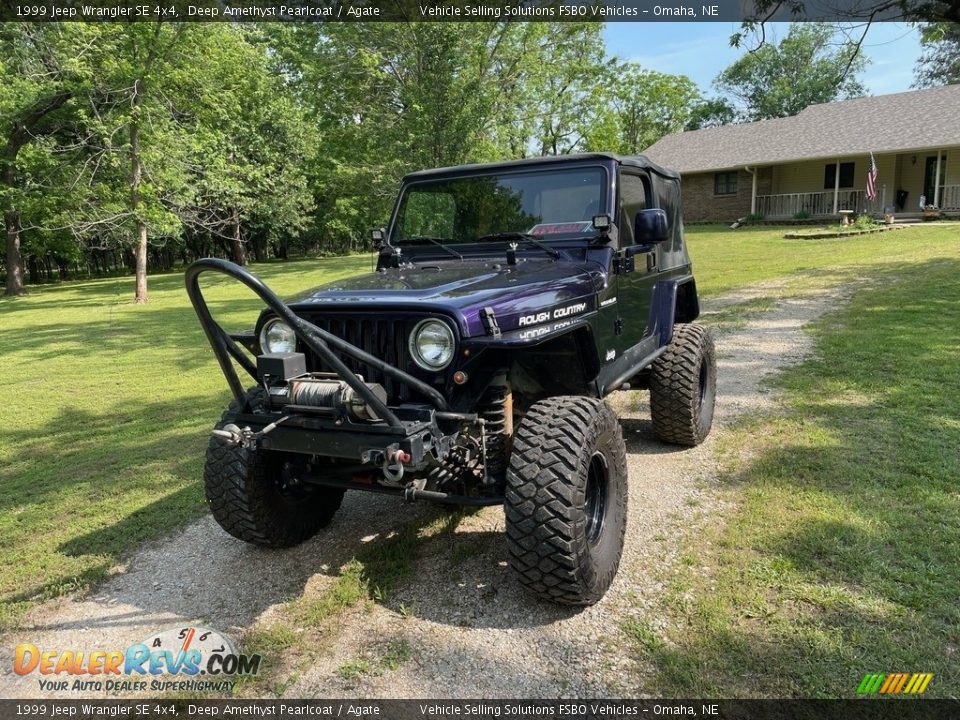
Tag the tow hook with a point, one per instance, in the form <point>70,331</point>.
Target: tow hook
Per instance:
<point>393,462</point>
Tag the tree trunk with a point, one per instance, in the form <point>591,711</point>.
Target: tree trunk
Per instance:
<point>259,250</point>
<point>23,130</point>
<point>11,221</point>
<point>236,242</point>
<point>136,173</point>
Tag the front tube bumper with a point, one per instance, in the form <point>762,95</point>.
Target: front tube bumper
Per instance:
<point>316,339</point>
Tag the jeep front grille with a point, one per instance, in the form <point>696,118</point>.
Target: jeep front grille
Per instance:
<point>384,338</point>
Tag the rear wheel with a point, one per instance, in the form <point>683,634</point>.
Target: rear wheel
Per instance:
<point>256,496</point>
<point>566,499</point>
<point>683,387</point>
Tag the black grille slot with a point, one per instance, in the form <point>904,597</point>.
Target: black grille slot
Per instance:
<point>383,337</point>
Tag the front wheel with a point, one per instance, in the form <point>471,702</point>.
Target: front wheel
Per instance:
<point>255,495</point>
<point>683,387</point>
<point>566,499</point>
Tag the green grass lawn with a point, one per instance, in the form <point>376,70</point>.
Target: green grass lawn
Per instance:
<point>107,405</point>
<point>106,413</point>
<point>842,555</point>
<point>724,260</point>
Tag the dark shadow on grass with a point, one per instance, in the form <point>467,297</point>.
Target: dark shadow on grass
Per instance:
<point>106,451</point>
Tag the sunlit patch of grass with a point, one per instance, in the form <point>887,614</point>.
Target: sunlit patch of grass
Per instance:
<point>841,548</point>
<point>724,259</point>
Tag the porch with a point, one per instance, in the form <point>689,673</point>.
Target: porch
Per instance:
<point>823,188</point>
<point>817,204</point>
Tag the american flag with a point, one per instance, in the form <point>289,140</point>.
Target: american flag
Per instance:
<point>872,179</point>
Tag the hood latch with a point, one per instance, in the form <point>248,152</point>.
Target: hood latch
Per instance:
<point>489,321</point>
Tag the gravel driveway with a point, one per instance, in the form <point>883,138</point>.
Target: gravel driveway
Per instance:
<point>467,627</point>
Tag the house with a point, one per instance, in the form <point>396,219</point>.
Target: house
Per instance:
<point>815,163</point>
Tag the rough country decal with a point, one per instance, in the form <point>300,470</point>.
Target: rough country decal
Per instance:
<point>555,314</point>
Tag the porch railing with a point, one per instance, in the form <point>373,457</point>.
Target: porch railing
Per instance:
<point>787,205</point>
<point>950,197</point>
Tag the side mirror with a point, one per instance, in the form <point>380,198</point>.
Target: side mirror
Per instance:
<point>378,235</point>
<point>650,227</point>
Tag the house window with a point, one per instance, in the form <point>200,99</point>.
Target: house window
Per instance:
<point>725,183</point>
<point>830,175</point>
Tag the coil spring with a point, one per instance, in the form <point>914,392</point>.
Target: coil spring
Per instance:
<point>493,410</point>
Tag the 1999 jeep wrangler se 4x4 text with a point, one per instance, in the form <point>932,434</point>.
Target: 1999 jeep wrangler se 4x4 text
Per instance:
<point>470,368</point>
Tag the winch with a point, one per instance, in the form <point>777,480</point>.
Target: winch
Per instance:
<point>288,383</point>
<point>319,391</point>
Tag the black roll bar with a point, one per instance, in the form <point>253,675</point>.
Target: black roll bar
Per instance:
<point>317,339</point>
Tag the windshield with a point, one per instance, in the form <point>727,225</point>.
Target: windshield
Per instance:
<point>549,204</point>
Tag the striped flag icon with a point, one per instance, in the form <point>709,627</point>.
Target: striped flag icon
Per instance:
<point>894,683</point>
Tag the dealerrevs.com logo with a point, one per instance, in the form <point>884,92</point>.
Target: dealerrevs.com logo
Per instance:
<point>185,659</point>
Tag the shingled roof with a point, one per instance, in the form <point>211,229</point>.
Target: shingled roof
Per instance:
<point>885,123</point>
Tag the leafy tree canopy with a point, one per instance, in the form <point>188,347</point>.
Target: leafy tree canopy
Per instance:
<point>811,65</point>
<point>940,62</point>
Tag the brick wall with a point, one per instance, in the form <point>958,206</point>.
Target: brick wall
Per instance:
<point>700,204</point>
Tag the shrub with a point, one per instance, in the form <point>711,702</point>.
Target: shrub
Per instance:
<point>865,222</point>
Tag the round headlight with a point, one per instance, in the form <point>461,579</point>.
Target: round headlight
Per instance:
<point>276,337</point>
<point>432,344</point>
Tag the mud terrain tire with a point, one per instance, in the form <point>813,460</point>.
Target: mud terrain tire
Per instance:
<point>683,387</point>
<point>566,499</point>
<point>245,492</point>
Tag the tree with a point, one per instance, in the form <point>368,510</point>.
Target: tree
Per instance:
<point>249,147</point>
<point>44,67</point>
<point>388,98</point>
<point>940,62</point>
<point>809,66</point>
<point>566,87</point>
<point>152,56</point>
<point>856,17</point>
<point>711,112</point>
<point>642,106</point>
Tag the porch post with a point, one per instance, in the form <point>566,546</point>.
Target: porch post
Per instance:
<point>836,189</point>
<point>753,193</point>
<point>936,183</point>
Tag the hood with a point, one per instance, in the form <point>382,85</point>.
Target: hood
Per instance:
<point>460,290</point>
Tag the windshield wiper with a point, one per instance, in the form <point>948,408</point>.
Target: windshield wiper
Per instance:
<point>519,237</point>
<point>436,241</point>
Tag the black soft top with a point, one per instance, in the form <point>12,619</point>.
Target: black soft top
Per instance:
<point>638,161</point>
<point>665,189</point>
